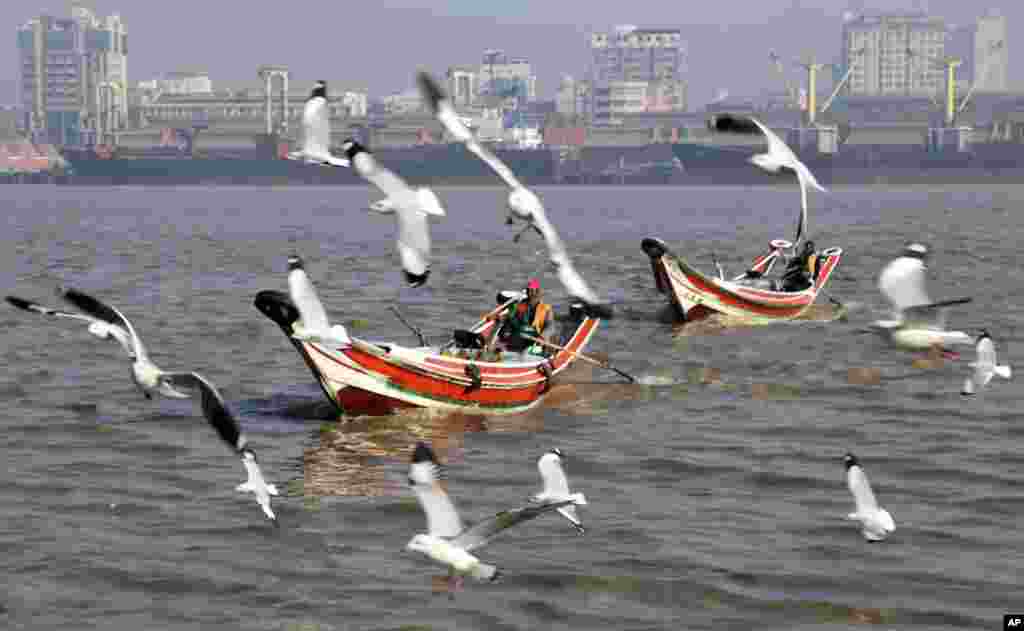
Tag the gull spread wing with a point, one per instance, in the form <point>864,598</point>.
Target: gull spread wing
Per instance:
<point>442,518</point>
<point>930,317</point>
<point>861,489</point>
<point>775,144</point>
<point>100,327</point>
<point>445,113</point>
<point>214,408</point>
<point>316,127</point>
<point>413,240</point>
<point>485,530</point>
<point>108,314</point>
<point>903,283</point>
<point>369,169</point>
<point>567,274</point>
<point>304,296</point>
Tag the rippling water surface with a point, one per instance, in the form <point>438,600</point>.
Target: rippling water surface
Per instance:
<point>717,492</point>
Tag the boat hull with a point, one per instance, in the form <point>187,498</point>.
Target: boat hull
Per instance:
<point>375,378</point>
<point>696,295</point>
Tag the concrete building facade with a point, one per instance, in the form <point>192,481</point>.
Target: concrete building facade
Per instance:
<point>635,70</point>
<point>73,76</point>
<point>893,54</point>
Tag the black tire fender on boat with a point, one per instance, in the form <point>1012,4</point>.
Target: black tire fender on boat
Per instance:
<point>653,247</point>
<point>277,306</point>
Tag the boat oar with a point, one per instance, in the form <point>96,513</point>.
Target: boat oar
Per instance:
<point>419,334</point>
<point>580,355</point>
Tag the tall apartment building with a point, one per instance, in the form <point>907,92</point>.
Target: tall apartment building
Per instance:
<point>74,74</point>
<point>894,54</point>
<point>636,70</point>
<point>506,80</point>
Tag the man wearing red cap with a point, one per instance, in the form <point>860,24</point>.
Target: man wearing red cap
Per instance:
<point>527,317</point>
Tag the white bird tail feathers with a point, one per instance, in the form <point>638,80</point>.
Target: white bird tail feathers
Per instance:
<point>485,572</point>
<point>578,499</point>
<point>1004,371</point>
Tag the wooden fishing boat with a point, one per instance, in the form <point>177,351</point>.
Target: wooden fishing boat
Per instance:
<point>364,377</point>
<point>751,297</point>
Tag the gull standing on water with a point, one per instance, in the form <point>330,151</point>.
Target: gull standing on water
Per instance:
<point>556,488</point>
<point>984,366</point>
<point>876,522</point>
<point>105,322</point>
<point>447,541</point>
<point>523,203</point>
<point>410,207</point>
<point>316,131</point>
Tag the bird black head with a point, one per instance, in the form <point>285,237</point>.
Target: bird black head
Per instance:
<point>916,250</point>
<point>556,451</point>
<point>351,148</point>
<point>295,262</point>
<point>850,460</point>
<point>423,453</point>
<point>248,454</point>
<point>319,89</point>
<point>984,334</point>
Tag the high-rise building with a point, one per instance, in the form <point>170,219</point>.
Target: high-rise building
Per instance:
<point>505,80</point>
<point>636,70</point>
<point>893,54</point>
<point>73,76</point>
<point>990,54</point>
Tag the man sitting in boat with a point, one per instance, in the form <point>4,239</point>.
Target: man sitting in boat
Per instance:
<point>801,270</point>
<point>528,317</point>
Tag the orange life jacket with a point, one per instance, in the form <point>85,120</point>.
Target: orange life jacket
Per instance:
<point>540,316</point>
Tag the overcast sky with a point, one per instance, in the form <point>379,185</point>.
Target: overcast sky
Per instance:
<point>378,45</point>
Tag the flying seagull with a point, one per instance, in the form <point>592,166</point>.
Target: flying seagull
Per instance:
<point>221,419</point>
<point>316,131</point>
<point>876,522</point>
<point>778,157</point>
<point>410,207</point>
<point>523,204</point>
<point>556,488</point>
<point>312,324</point>
<point>447,541</point>
<point>105,322</point>
<point>984,366</point>
<point>919,323</point>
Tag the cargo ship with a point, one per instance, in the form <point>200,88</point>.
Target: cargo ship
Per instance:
<point>676,163</point>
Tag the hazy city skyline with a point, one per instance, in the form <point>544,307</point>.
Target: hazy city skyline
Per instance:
<point>378,47</point>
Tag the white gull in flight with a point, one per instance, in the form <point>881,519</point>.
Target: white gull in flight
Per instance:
<point>447,541</point>
<point>876,522</point>
<point>984,366</point>
<point>556,488</point>
<point>523,203</point>
<point>919,323</point>
<point>410,207</point>
<point>316,131</point>
<point>105,322</point>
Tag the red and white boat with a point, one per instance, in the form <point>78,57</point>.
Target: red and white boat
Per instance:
<point>697,295</point>
<point>364,377</point>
